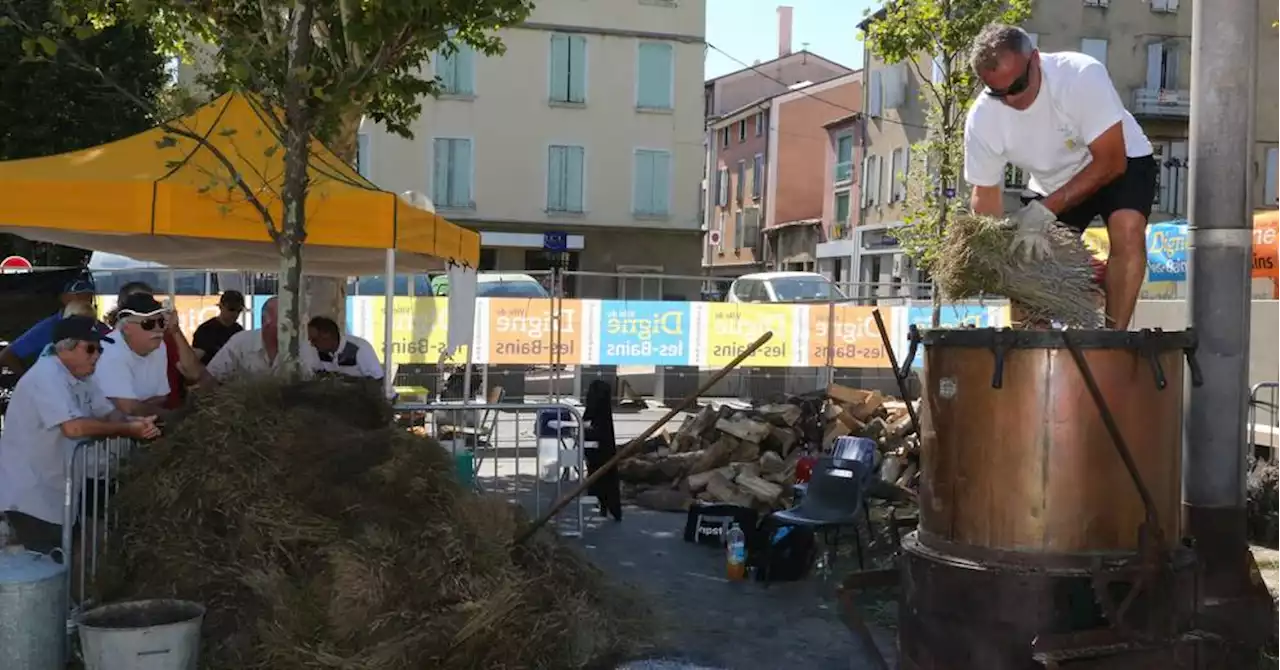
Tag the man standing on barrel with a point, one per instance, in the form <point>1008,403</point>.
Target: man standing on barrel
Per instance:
<point>1058,117</point>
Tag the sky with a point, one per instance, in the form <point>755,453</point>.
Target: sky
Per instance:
<point>747,30</point>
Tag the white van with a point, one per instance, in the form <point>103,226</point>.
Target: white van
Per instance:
<point>783,287</point>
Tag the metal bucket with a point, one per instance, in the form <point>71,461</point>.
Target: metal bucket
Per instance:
<point>33,611</point>
<point>1015,454</point>
<point>142,635</point>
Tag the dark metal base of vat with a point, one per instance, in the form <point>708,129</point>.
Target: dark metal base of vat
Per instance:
<point>965,614</point>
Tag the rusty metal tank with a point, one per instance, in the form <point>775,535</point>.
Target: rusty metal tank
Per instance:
<point>1015,456</point>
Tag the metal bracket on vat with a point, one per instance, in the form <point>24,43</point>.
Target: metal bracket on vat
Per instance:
<point>1146,347</point>
<point>1197,377</point>
<point>1001,341</point>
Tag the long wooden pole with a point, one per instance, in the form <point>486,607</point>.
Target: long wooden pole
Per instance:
<point>639,441</point>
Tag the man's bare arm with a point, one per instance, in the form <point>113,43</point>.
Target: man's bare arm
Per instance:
<point>1109,163</point>
<point>987,200</point>
<point>135,407</point>
<point>79,429</point>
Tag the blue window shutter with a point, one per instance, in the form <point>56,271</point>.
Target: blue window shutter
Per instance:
<point>654,76</point>
<point>447,72</point>
<point>643,183</point>
<point>440,173</point>
<point>577,75</point>
<point>462,172</point>
<point>661,182</point>
<point>559,68</point>
<point>574,160</point>
<point>555,179</point>
<point>464,72</point>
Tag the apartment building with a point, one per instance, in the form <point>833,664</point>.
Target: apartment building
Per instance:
<point>768,185</point>
<point>590,124</point>
<point>1146,47</point>
<point>841,208</point>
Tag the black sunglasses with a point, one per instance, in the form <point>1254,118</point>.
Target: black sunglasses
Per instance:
<point>91,349</point>
<point>151,324</point>
<point>1016,86</point>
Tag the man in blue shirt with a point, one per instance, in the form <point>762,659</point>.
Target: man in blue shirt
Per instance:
<point>22,353</point>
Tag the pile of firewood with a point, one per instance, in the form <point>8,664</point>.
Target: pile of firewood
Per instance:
<point>748,456</point>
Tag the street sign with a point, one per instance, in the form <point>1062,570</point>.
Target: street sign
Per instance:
<point>15,264</point>
<point>555,241</point>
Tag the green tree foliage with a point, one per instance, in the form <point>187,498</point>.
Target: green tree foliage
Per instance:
<point>48,107</point>
<point>933,39</point>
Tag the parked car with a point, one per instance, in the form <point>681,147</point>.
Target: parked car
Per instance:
<point>496,285</point>
<point>783,287</point>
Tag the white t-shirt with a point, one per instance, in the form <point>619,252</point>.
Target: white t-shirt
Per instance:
<point>121,373</point>
<point>366,361</point>
<point>33,450</point>
<point>245,355</point>
<point>1050,139</point>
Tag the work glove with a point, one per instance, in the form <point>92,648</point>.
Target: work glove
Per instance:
<point>1031,231</point>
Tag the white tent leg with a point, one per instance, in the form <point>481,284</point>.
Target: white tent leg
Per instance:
<point>388,321</point>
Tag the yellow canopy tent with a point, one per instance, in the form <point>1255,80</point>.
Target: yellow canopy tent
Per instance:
<point>161,197</point>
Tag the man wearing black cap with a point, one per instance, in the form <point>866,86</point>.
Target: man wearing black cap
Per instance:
<point>54,406</point>
<point>134,370</point>
<point>214,333</point>
<point>23,352</point>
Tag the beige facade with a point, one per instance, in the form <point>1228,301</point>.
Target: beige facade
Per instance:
<point>1146,47</point>
<point>590,124</point>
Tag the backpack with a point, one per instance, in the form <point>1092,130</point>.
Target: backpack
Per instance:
<point>784,552</point>
<point>708,523</point>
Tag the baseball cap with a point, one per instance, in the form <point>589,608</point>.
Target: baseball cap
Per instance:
<point>80,328</point>
<point>139,304</point>
<point>232,300</point>
<point>79,286</point>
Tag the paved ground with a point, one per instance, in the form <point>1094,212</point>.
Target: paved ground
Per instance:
<point>706,621</point>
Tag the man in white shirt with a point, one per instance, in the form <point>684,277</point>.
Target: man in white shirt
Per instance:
<point>1058,117</point>
<point>347,355</point>
<point>54,406</point>
<point>134,370</point>
<point>256,352</point>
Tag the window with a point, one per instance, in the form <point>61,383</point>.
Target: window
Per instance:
<point>1164,5</point>
<point>894,83</point>
<point>759,124</point>
<point>844,158</point>
<point>742,130</point>
<point>652,185</point>
<point>898,162</point>
<point>1162,65</point>
<point>456,71</point>
<point>451,175</point>
<point>841,218</point>
<point>873,95</point>
<point>891,179</point>
<point>724,137</point>
<point>1095,48</point>
<point>363,155</point>
<point>742,180</point>
<point>738,232</point>
<point>1014,178</point>
<point>722,186</point>
<point>869,180</point>
<point>1269,174</point>
<point>936,75</point>
<point>564,179</point>
<point>568,69</point>
<point>757,176</point>
<point>653,76</point>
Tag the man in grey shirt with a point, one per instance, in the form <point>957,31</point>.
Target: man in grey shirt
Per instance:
<point>54,406</point>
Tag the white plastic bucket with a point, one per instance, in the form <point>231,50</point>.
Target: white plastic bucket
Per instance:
<point>142,635</point>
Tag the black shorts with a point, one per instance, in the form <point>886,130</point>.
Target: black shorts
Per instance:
<point>1135,189</point>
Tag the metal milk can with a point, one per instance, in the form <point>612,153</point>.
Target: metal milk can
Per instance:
<point>33,611</point>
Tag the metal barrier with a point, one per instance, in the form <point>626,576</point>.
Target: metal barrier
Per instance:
<point>89,484</point>
<point>498,444</point>
<point>1264,402</point>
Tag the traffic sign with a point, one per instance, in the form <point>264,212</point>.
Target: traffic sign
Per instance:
<point>15,264</point>
<point>555,241</point>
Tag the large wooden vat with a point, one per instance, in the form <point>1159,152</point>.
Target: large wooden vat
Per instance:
<point>1015,456</point>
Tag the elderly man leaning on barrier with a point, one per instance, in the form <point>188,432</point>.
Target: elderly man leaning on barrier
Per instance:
<point>54,406</point>
<point>256,352</point>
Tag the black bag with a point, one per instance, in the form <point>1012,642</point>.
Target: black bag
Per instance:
<point>709,523</point>
<point>784,552</point>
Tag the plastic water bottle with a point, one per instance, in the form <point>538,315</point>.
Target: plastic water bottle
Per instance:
<point>736,546</point>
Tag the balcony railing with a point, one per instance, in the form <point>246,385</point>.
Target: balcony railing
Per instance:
<point>844,171</point>
<point>1162,102</point>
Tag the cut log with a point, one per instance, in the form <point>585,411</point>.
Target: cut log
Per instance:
<point>744,427</point>
<point>899,427</point>
<point>891,468</point>
<point>780,414</point>
<point>722,489</point>
<point>641,471</point>
<point>766,492</point>
<point>836,429</point>
<point>847,396</point>
<point>716,454</point>
<point>908,476</point>
<point>740,469</point>
<point>771,463</point>
<point>847,418</point>
<point>698,482</point>
<point>664,500</point>
<point>745,452</point>
<point>676,465</point>
<point>782,440</point>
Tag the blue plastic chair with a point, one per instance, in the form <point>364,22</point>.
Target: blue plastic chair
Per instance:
<point>835,498</point>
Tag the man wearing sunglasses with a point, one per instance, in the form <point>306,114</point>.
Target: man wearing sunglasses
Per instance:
<point>134,370</point>
<point>54,406</point>
<point>1058,117</point>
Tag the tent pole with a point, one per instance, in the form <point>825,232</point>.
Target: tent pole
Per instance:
<point>388,320</point>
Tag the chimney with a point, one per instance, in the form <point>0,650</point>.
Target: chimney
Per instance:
<point>784,31</point>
